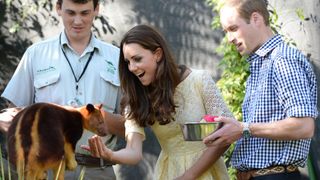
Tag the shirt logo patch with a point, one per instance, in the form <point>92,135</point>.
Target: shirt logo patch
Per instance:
<point>110,67</point>
<point>46,70</point>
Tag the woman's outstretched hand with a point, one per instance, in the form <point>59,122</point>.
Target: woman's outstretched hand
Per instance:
<point>97,148</point>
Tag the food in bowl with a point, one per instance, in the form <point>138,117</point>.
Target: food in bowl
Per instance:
<point>209,118</point>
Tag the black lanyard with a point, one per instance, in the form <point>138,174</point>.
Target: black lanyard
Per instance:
<point>84,69</point>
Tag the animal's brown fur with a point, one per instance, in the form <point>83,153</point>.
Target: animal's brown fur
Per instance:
<point>43,136</point>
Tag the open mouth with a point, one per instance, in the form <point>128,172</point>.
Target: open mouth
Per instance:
<point>101,132</point>
<point>141,75</point>
<point>238,46</point>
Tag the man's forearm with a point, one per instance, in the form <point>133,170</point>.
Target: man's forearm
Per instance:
<point>287,129</point>
<point>6,116</point>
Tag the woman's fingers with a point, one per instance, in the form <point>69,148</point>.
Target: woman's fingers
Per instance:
<point>100,146</point>
<point>86,147</point>
<point>94,146</point>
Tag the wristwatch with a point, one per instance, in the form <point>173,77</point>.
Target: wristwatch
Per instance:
<point>246,133</point>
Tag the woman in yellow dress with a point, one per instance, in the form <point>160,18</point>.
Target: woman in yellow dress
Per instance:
<point>163,96</point>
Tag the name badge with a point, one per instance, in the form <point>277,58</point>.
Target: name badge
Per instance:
<point>75,102</point>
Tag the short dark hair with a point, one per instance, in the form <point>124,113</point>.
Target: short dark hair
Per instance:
<point>246,7</point>
<point>95,2</point>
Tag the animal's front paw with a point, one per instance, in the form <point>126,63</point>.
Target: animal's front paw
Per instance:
<point>71,164</point>
<point>42,176</point>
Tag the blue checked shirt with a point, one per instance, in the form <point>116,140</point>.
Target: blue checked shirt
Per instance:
<point>281,84</point>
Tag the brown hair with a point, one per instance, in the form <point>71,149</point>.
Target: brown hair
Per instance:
<point>246,7</point>
<point>95,2</point>
<point>147,104</point>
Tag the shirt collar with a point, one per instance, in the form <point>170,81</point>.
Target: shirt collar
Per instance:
<point>266,47</point>
<point>93,44</point>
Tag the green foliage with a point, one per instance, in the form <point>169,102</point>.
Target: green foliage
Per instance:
<point>235,68</point>
<point>300,14</point>
<point>235,73</point>
<point>26,12</point>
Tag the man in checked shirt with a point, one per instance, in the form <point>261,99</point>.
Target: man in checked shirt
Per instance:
<point>280,104</point>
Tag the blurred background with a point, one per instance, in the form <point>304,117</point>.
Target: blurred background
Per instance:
<point>187,28</point>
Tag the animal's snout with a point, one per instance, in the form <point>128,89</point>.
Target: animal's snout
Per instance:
<point>98,126</point>
<point>102,132</point>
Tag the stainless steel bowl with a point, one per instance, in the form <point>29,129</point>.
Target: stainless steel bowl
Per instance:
<point>196,131</point>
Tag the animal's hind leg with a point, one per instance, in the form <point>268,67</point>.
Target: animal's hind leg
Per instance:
<point>31,175</point>
<point>41,175</point>
<point>36,173</point>
<point>59,170</point>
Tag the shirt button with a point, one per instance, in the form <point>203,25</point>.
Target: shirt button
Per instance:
<point>80,93</point>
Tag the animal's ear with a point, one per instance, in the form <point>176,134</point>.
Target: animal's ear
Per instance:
<point>99,106</point>
<point>90,108</point>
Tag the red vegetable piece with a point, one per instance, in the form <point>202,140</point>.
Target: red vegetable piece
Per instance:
<point>210,118</point>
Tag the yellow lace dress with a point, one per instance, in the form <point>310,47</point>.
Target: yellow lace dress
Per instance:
<point>195,96</point>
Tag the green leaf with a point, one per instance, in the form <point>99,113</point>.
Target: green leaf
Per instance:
<point>300,14</point>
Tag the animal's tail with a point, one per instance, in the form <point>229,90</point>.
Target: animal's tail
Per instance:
<point>20,159</point>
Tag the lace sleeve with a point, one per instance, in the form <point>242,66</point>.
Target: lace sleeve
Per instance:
<point>212,98</point>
